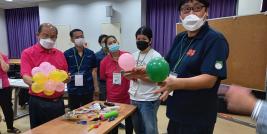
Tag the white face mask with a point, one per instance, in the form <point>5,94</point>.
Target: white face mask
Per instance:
<point>193,22</point>
<point>47,43</point>
<point>80,41</point>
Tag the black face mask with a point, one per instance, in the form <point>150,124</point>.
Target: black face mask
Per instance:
<point>142,45</point>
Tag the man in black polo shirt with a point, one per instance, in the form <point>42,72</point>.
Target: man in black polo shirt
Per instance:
<point>197,61</point>
<point>83,70</point>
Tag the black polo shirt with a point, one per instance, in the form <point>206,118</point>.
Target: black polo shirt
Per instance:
<point>87,62</point>
<point>206,53</point>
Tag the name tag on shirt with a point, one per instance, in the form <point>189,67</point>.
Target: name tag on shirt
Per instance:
<point>117,78</point>
<point>172,74</point>
<point>78,80</point>
<point>1,84</point>
<point>133,88</point>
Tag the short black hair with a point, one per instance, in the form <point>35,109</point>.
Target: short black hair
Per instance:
<point>40,28</point>
<point>100,38</point>
<point>182,2</point>
<point>144,30</point>
<point>75,30</point>
<point>109,36</point>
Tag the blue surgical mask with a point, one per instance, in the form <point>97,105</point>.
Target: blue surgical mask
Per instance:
<point>114,47</point>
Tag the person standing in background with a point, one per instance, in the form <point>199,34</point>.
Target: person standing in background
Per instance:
<point>6,95</point>
<point>99,57</point>
<point>141,89</point>
<point>117,85</point>
<point>82,67</point>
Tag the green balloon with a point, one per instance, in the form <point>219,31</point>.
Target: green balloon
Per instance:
<point>157,69</point>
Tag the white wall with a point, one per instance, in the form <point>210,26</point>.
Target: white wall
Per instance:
<point>143,12</point>
<point>247,7</point>
<point>89,15</point>
<point>3,33</point>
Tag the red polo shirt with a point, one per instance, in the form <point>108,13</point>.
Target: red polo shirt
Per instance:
<point>34,56</point>
<point>115,93</point>
<point>3,74</point>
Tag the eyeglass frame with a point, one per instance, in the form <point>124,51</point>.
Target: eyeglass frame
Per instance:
<point>191,9</point>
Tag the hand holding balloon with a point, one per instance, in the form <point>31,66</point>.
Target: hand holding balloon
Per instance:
<point>136,73</point>
<point>166,87</point>
<point>157,69</point>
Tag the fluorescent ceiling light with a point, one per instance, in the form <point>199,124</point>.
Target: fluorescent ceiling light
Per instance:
<point>9,0</point>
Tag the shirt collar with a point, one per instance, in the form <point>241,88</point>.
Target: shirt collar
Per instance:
<point>109,55</point>
<point>76,51</point>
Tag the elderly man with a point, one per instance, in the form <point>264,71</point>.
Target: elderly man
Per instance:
<point>43,108</point>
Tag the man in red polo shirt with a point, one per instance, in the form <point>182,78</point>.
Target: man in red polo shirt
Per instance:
<point>43,108</point>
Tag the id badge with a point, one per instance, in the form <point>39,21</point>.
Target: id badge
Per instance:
<point>78,80</point>
<point>133,88</point>
<point>172,74</point>
<point>117,78</point>
<point>1,84</point>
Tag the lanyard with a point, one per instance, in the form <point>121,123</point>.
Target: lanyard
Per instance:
<point>78,65</point>
<point>117,64</point>
<point>143,58</point>
<point>181,56</point>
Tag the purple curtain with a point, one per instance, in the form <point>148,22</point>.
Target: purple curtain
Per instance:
<point>161,17</point>
<point>264,6</point>
<point>222,8</point>
<point>22,25</point>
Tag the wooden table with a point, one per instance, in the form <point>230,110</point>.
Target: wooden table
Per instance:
<point>61,126</point>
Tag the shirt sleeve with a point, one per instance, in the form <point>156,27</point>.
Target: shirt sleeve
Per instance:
<point>97,59</point>
<point>5,59</point>
<point>94,61</point>
<point>103,69</point>
<point>25,66</point>
<point>214,58</point>
<point>262,119</point>
<point>65,55</point>
<point>65,64</point>
<point>256,110</point>
<point>156,54</point>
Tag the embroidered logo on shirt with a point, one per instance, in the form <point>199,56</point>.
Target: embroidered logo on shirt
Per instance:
<point>219,65</point>
<point>191,52</point>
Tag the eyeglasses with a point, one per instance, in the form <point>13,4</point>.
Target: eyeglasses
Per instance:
<point>195,8</point>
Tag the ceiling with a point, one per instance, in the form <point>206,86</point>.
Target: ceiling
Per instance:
<point>19,3</point>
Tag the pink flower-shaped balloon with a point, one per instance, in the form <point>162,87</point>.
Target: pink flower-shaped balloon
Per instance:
<point>46,67</point>
<point>36,70</point>
<point>60,87</point>
<point>51,85</point>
